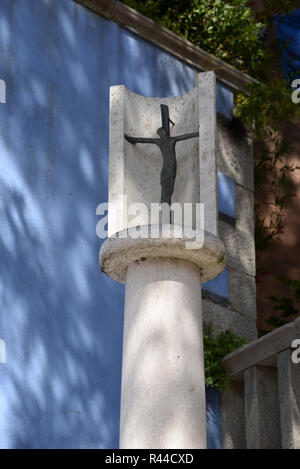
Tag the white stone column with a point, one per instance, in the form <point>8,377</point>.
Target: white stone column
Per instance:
<point>163,387</point>
<point>163,390</point>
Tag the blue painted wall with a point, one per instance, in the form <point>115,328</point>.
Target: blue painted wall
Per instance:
<point>60,317</point>
<point>288,34</point>
<point>213,419</point>
<point>226,206</point>
<point>226,195</point>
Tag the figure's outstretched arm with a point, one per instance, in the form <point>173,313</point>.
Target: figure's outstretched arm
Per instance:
<point>139,140</point>
<point>186,136</point>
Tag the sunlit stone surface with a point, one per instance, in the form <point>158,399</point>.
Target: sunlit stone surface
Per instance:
<point>163,391</point>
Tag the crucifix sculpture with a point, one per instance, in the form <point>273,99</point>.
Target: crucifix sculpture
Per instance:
<point>166,144</point>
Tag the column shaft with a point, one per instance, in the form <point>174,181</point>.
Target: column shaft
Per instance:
<point>289,399</point>
<point>163,387</point>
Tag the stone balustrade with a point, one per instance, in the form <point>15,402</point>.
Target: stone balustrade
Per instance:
<point>261,409</point>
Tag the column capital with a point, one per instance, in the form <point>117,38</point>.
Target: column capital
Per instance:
<point>124,248</point>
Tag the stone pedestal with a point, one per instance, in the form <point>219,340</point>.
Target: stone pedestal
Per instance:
<point>163,387</point>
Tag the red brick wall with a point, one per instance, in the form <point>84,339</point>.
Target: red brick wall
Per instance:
<point>284,258</point>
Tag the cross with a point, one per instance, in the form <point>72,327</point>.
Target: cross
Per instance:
<point>166,144</point>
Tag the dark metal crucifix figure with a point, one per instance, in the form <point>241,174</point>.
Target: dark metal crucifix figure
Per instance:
<point>166,144</point>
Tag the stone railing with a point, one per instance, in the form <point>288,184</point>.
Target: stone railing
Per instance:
<point>262,407</point>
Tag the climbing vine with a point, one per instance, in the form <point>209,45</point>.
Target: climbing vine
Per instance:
<point>216,346</point>
<point>269,106</point>
<point>283,307</point>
